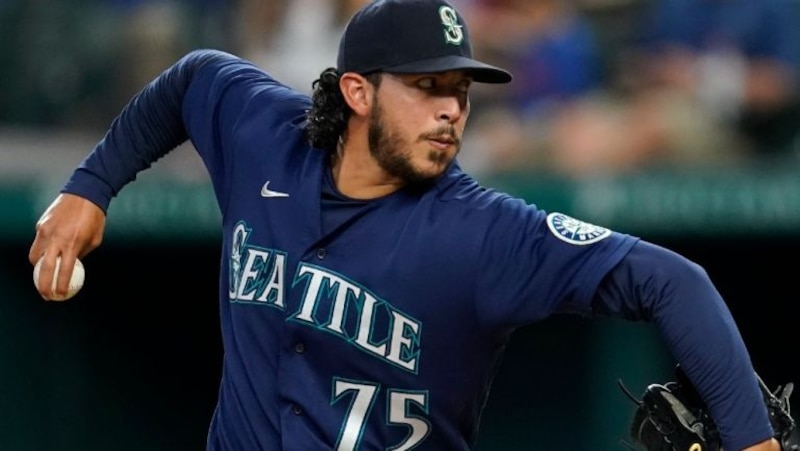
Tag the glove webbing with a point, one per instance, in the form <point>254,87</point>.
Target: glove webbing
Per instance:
<point>780,415</point>
<point>672,417</point>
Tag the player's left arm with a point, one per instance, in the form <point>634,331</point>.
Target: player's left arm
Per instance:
<point>655,284</point>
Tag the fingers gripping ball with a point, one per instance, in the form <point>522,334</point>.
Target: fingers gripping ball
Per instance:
<point>75,282</point>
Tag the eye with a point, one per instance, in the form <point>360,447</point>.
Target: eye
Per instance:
<point>463,86</point>
<point>426,83</point>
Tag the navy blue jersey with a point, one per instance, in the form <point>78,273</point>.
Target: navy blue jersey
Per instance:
<point>349,325</point>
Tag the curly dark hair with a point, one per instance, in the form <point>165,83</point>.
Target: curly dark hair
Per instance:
<point>327,119</point>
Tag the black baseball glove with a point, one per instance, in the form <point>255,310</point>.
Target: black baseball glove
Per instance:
<point>672,417</point>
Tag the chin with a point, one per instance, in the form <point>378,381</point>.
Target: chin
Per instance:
<point>431,174</point>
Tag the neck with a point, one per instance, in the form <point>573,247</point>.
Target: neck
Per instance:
<point>356,173</point>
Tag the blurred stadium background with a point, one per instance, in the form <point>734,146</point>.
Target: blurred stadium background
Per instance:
<point>132,363</point>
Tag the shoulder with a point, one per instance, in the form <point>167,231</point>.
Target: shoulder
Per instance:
<point>462,190</point>
<point>458,198</point>
<point>506,217</point>
<point>222,67</point>
<point>222,78</point>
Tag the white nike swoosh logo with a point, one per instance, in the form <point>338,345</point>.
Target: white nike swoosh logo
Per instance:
<point>266,192</point>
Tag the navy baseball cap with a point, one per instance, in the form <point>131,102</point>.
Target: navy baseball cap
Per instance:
<point>411,37</point>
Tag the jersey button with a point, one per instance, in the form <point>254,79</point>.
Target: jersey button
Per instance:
<point>321,253</point>
<point>297,410</point>
<point>299,348</point>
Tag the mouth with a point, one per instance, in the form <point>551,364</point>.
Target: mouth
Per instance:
<point>442,142</point>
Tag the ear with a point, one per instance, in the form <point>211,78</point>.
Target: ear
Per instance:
<point>357,92</point>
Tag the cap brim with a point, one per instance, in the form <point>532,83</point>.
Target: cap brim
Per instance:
<point>481,72</point>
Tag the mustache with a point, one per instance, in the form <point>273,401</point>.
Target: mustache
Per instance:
<point>446,131</point>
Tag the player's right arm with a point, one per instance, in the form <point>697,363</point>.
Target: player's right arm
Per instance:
<point>148,127</point>
<point>70,227</point>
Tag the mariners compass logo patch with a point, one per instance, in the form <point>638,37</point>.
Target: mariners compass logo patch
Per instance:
<point>574,231</point>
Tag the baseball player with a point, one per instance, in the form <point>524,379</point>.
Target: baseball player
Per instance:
<point>368,286</point>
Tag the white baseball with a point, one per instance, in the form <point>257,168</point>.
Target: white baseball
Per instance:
<point>75,282</point>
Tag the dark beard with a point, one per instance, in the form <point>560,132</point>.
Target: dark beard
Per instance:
<point>385,147</point>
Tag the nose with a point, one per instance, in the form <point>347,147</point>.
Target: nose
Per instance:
<point>451,108</point>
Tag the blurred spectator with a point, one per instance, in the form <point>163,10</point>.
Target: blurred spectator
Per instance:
<point>552,51</point>
<point>153,35</point>
<point>708,81</point>
<point>731,63</point>
<point>702,82</point>
<point>255,25</point>
<point>54,60</point>
<point>294,40</point>
<point>60,59</point>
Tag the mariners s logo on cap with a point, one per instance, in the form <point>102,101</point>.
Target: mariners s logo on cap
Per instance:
<point>405,37</point>
<point>452,30</point>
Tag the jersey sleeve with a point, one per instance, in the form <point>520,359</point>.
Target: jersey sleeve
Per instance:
<point>234,107</point>
<point>535,264</point>
<point>147,128</point>
<point>655,284</point>
<point>203,97</point>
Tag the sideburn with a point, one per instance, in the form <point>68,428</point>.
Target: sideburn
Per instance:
<point>386,148</point>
